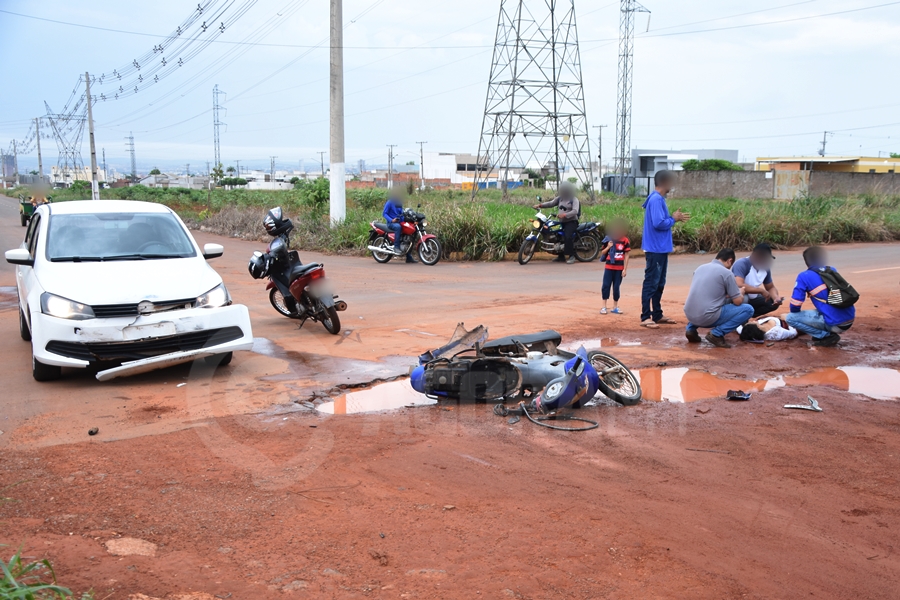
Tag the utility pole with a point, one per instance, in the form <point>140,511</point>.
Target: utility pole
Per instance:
<point>208,172</point>
<point>238,163</point>
<point>322,156</point>
<point>272,170</point>
<point>390,182</point>
<point>16,161</point>
<point>105,172</point>
<point>338,184</point>
<point>824,141</point>
<point>599,129</point>
<point>37,137</point>
<point>95,183</point>
<point>422,165</point>
<point>130,147</point>
<point>217,150</point>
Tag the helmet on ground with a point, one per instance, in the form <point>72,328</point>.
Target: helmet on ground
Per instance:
<point>259,265</point>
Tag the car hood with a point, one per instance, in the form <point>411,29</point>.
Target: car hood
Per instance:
<point>128,281</point>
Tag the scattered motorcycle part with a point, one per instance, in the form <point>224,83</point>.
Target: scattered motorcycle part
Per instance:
<point>813,405</point>
<point>93,431</point>
<point>737,395</point>
<point>555,417</point>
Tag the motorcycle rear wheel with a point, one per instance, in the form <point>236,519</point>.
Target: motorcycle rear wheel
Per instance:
<point>526,251</point>
<point>331,321</point>
<point>587,248</point>
<point>430,252</point>
<point>383,257</point>
<point>280,304</point>
<point>621,386</point>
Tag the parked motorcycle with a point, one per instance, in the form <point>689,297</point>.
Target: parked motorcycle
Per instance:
<point>522,367</point>
<point>547,236</point>
<point>413,224</point>
<point>296,290</point>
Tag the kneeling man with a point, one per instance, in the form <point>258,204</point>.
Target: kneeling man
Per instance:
<point>715,300</point>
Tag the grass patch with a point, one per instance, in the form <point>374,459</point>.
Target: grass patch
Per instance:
<point>22,580</point>
<point>489,228</point>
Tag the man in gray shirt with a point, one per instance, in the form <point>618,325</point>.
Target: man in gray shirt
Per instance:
<point>569,210</point>
<point>715,300</point>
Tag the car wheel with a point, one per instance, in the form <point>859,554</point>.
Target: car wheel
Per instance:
<point>23,219</point>
<point>219,360</point>
<point>23,326</point>
<point>42,372</point>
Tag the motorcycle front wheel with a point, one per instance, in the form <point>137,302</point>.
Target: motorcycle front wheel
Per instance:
<point>387,255</point>
<point>526,251</point>
<point>279,303</point>
<point>587,248</point>
<point>619,383</point>
<point>430,252</point>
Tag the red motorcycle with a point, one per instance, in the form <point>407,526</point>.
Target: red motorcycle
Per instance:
<point>412,231</point>
<point>296,290</point>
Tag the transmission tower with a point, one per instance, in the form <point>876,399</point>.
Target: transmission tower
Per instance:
<point>623,114</point>
<point>130,147</point>
<point>68,130</point>
<point>534,115</point>
<point>216,124</point>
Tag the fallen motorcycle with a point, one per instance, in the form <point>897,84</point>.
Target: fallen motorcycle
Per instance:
<point>547,236</point>
<point>412,231</point>
<point>522,368</point>
<point>296,290</point>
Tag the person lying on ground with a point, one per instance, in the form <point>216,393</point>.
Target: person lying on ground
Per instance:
<point>657,245</point>
<point>754,272</point>
<point>825,322</point>
<point>616,249</point>
<point>768,329</point>
<point>715,300</point>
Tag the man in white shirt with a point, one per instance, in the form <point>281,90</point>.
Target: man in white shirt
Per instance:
<point>754,274</point>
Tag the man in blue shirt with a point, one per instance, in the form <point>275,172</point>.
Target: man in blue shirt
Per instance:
<point>826,322</point>
<point>393,216</point>
<point>657,244</point>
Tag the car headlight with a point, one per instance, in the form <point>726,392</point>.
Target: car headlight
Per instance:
<point>214,298</point>
<point>57,306</point>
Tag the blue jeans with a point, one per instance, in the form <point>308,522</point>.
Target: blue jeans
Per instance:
<point>654,283</point>
<point>611,279</point>
<point>396,228</point>
<point>811,322</point>
<point>730,319</point>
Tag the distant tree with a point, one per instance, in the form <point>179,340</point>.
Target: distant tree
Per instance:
<point>232,181</point>
<point>895,154</point>
<point>33,172</point>
<point>217,173</point>
<point>710,164</point>
<point>230,170</point>
<point>411,163</point>
<point>155,171</point>
<point>572,180</point>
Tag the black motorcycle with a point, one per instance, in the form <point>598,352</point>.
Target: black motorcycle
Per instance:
<point>547,236</point>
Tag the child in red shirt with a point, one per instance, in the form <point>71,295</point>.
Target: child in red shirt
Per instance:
<point>615,253</point>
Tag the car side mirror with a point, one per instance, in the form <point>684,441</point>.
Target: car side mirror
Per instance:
<point>213,251</point>
<point>19,256</point>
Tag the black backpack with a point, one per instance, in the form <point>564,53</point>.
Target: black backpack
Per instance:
<point>840,293</point>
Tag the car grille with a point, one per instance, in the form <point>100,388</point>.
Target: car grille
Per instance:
<point>136,350</point>
<point>108,311</point>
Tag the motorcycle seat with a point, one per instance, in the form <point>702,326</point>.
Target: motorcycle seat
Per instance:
<point>587,226</point>
<point>536,341</point>
<point>299,270</point>
<point>381,226</point>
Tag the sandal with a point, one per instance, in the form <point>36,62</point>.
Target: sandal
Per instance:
<point>649,325</point>
<point>603,311</point>
<point>667,321</point>
<point>616,311</point>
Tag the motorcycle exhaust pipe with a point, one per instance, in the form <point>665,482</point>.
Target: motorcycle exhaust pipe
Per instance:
<point>377,249</point>
<point>340,306</point>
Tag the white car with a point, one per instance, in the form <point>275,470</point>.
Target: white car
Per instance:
<point>124,285</point>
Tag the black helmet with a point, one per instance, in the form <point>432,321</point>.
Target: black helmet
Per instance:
<point>259,265</point>
<point>275,223</point>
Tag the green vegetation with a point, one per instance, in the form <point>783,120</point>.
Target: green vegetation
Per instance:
<point>155,171</point>
<point>490,227</point>
<point>32,581</point>
<point>710,164</point>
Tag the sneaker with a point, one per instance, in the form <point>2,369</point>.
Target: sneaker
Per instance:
<point>560,258</point>
<point>692,335</point>
<point>718,342</point>
<point>828,341</point>
<point>410,259</point>
<point>570,260</point>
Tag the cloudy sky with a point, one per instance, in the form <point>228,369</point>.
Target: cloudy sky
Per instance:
<point>765,78</point>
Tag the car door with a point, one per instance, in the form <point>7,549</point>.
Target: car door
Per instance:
<point>26,279</point>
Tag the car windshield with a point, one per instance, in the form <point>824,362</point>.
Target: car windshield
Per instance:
<point>117,236</point>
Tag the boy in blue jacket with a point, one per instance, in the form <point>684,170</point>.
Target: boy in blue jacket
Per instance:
<point>825,322</point>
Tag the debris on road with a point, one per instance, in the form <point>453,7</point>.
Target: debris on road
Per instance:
<point>813,405</point>
<point>93,431</point>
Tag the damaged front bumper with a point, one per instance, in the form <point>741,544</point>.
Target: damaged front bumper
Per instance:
<point>144,343</point>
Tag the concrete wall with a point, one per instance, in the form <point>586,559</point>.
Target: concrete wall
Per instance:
<point>748,185</point>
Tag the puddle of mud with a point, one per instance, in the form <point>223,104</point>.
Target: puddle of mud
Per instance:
<point>387,396</point>
<point>598,343</point>
<point>332,368</point>
<point>9,300</point>
<point>688,385</point>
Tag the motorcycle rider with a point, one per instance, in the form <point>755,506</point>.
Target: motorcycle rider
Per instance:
<point>569,209</point>
<point>393,216</point>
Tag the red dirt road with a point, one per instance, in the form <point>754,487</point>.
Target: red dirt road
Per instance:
<point>247,494</point>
